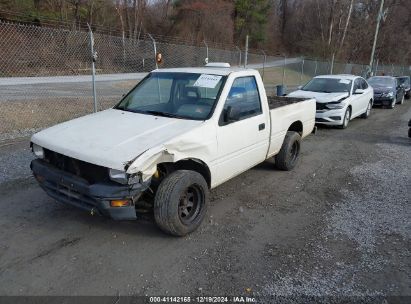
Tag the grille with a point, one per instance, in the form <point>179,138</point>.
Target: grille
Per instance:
<point>91,173</point>
<point>320,106</point>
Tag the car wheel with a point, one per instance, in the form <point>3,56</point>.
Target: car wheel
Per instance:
<point>407,96</point>
<point>409,132</point>
<point>368,111</point>
<point>180,203</point>
<point>392,105</point>
<point>402,100</point>
<point>346,120</point>
<point>287,158</point>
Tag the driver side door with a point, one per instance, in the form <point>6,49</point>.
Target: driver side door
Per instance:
<point>243,142</point>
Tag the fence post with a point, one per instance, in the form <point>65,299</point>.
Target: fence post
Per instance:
<point>205,43</point>
<point>302,71</point>
<point>155,49</point>
<point>246,52</point>
<point>316,66</point>
<point>239,52</point>
<point>264,62</point>
<point>332,64</point>
<point>285,63</point>
<point>93,68</point>
<point>376,68</point>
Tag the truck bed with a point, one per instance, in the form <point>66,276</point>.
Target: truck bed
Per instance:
<point>279,101</point>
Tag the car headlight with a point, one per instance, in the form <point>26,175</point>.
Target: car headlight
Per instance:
<point>37,150</point>
<point>122,177</point>
<point>118,176</point>
<point>335,105</point>
<point>389,94</point>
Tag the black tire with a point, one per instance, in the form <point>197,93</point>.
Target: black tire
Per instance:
<point>346,120</point>
<point>409,132</point>
<point>287,158</point>
<point>392,105</point>
<point>173,195</point>
<point>367,112</point>
<point>401,100</point>
<point>407,96</point>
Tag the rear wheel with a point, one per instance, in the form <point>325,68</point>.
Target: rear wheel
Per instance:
<point>180,203</point>
<point>346,120</point>
<point>287,158</point>
<point>368,111</point>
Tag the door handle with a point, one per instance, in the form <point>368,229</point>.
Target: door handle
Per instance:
<point>261,126</point>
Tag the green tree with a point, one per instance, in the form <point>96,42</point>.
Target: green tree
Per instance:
<point>250,18</point>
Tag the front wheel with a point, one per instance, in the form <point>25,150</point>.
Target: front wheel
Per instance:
<point>346,120</point>
<point>368,111</point>
<point>287,158</point>
<point>393,102</point>
<point>402,100</point>
<point>180,203</point>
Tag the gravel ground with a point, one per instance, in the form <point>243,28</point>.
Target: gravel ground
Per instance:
<point>337,228</point>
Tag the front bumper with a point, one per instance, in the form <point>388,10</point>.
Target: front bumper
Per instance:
<point>383,101</point>
<point>76,191</point>
<point>330,117</point>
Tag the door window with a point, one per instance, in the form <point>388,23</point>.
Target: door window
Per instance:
<point>364,84</point>
<point>357,85</point>
<point>244,96</point>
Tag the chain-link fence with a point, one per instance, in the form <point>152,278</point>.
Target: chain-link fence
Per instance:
<point>45,73</point>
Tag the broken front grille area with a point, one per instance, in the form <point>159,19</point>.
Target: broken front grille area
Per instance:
<point>90,172</point>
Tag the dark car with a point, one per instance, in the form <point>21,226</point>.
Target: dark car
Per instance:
<point>387,91</point>
<point>405,81</point>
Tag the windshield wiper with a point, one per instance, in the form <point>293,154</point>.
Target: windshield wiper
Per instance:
<point>164,114</point>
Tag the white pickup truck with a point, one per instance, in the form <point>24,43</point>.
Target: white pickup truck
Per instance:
<point>174,136</point>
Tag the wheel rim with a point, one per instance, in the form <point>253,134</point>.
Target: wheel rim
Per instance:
<point>295,148</point>
<point>190,204</point>
<point>346,118</point>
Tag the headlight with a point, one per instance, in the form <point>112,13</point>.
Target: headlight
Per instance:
<point>333,106</point>
<point>118,176</point>
<point>37,150</point>
<point>390,94</point>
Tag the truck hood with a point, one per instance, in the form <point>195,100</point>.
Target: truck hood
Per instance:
<point>111,138</point>
<point>319,97</point>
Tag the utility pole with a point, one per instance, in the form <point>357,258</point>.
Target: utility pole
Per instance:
<point>377,28</point>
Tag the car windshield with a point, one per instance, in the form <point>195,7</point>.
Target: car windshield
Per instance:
<point>381,82</point>
<point>179,95</point>
<point>404,80</point>
<point>328,85</point>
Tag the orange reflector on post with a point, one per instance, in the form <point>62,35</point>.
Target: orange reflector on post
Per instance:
<point>119,203</point>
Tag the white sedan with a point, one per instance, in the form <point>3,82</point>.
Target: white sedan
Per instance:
<point>340,98</point>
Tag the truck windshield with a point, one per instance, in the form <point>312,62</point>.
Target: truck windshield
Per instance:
<point>179,95</point>
<point>328,85</point>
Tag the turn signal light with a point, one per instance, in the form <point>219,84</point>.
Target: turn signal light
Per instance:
<point>120,203</point>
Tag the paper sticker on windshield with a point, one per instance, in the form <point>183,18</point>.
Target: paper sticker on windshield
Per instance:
<point>344,81</point>
<point>207,81</point>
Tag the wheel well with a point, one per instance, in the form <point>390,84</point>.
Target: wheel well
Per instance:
<point>189,164</point>
<point>296,126</point>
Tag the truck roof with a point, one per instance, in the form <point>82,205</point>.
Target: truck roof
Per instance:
<point>205,70</point>
<point>338,76</point>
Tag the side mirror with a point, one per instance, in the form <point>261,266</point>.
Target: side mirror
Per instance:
<point>359,91</point>
<point>232,114</point>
